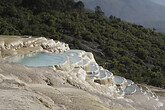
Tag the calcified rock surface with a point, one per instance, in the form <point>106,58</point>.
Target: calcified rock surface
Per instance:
<point>16,45</point>
<point>69,86</point>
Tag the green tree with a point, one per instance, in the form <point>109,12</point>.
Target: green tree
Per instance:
<point>99,12</point>
<point>79,6</point>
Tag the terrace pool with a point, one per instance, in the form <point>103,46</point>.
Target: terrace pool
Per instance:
<point>39,59</point>
<point>48,59</point>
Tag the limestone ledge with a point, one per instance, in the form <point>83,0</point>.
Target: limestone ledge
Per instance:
<point>56,87</point>
<point>76,60</point>
<point>19,45</point>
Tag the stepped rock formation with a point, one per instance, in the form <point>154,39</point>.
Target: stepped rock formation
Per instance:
<point>77,83</point>
<point>15,45</point>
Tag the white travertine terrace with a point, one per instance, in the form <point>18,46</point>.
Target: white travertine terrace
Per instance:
<point>69,77</point>
<point>79,61</point>
<point>16,45</point>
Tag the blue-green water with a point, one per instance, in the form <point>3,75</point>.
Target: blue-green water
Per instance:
<point>39,59</point>
<point>47,59</point>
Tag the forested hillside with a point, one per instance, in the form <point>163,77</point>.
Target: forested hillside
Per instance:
<point>126,49</point>
<point>145,12</point>
<point>160,2</point>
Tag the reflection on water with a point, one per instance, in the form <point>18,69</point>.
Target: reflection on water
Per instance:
<point>47,59</point>
<point>39,59</point>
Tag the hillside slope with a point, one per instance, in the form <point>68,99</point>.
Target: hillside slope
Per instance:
<point>144,12</point>
<point>161,2</point>
<point>126,49</point>
<point>30,88</point>
<point>70,85</point>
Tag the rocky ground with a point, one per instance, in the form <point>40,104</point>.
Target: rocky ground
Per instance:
<point>19,45</point>
<point>42,88</point>
<point>46,88</point>
<point>28,88</point>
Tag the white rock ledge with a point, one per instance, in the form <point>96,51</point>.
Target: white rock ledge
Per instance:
<point>16,45</point>
<point>79,64</point>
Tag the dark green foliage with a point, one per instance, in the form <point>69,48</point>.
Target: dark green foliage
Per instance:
<point>126,49</point>
<point>144,12</point>
<point>99,12</point>
<point>79,6</point>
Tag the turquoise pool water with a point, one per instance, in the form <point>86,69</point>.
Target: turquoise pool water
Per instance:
<point>47,59</point>
<point>118,80</point>
<point>39,59</point>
